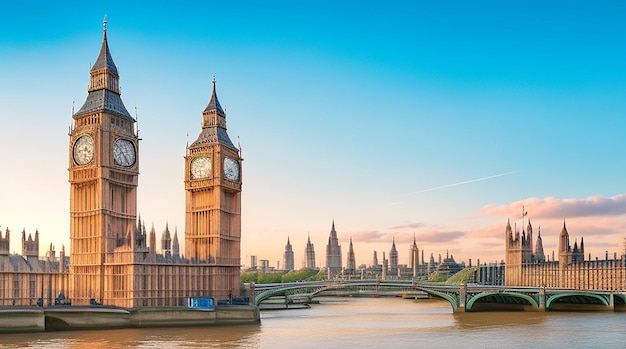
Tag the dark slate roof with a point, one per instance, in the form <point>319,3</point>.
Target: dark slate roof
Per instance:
<point>209,136</point>
<point>214,104</point>
<point>103,100</point>
<point>104,58</point>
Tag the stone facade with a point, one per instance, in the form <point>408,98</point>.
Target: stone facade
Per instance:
<point>309,255</point>
<point>27,277</point>
<point>333,253</point>
<point>525,267</point>
<point>113,260</point>
<point>351,260</point>
<point>288,262</point>
<point>414,257</point>
<point>393,260</point>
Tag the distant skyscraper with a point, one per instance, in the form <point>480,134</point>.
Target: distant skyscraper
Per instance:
<point>375,260</point>
<point>414,257</point>
<point>431,263</point>
<point>393,259</point>
<point>351,262</point>
<point>288,256</point>
<point>385,267</point>
<point>309,255</point>
<point>333,253</point>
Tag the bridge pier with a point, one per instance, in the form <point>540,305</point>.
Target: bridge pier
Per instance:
<point>462,299</point>
<point>541,302</point>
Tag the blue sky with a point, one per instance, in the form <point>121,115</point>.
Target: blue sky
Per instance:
<point>396,119</point>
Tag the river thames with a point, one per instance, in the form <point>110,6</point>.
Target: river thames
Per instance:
<point>363,323</point>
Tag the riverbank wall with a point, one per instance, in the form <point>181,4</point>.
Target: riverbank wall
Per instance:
<point>34,319</point>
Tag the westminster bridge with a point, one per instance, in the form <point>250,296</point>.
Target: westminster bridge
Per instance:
<point>462,298</point>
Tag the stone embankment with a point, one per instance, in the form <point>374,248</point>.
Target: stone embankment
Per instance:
<point>35,319</point>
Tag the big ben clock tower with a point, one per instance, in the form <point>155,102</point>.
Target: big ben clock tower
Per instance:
<point>103,173</point>
<point>213,200</point>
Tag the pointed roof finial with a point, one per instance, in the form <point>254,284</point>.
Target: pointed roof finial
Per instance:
<point>214,104</point>
<point>104,59</point>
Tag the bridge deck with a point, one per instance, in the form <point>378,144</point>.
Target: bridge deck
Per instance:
<point>464,298</point>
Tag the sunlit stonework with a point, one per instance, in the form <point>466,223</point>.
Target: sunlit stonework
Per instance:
<point>113,259</point>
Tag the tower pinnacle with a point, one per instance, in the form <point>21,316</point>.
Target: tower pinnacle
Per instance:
<point>214,103</point>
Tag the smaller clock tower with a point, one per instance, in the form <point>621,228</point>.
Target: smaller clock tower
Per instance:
<point>213,200</point>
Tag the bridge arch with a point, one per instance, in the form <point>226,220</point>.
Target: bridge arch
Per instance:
<point>513,299</point>
<point>577,298</point>
<point>282,291</point>
<point>453,300</point>
<point>449,293</point>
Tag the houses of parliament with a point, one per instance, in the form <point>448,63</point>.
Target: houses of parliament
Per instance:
<point>112,258</point>
<point>526,265</point>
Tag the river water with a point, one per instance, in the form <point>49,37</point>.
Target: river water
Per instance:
<point>362,323</point>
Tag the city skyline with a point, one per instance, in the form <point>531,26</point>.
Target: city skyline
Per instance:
<point>408,120</point>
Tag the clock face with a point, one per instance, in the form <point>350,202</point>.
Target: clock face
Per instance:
<point>200,167</point>
<point>83,150</point>
<point>231,169</point>
<point>124,153</point>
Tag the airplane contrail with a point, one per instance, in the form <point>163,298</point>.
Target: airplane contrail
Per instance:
<point>464,182</point>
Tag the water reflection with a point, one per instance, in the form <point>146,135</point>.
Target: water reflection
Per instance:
<point>161,338</point>
<point>363,323</point>
<point>478,320</point>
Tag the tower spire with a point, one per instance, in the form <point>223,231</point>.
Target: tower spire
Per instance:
<point>104,87</point>
<point>104,58</point>
<point>213,124</point>
<point>214,103</point>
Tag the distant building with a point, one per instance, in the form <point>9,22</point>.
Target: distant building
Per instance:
<point>385,267</point>
<point>414,257</point>
<point>393,260</point>
<point>525,267</point>
<point>449,265</point>
<point>333,253</point>
<point>351,261</point>
<point>288,257</point>
<point>253,263</point>
<point>309,255</point>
